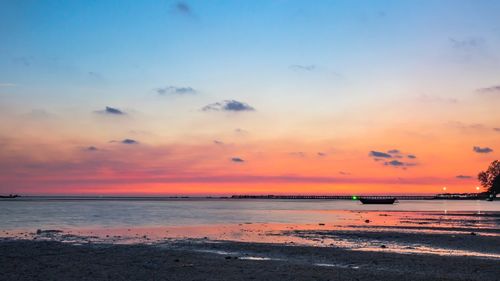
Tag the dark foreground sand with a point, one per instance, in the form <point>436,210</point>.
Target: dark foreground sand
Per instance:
<point>204,260</point>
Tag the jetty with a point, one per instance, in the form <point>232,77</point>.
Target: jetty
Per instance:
<point>444,196</point>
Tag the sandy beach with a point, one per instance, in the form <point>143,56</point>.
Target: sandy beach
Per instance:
<point>192,260</point>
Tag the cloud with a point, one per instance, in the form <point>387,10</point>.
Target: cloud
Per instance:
<point>489,91</point>
<point>321,154</point>
<point>237,160</point>
<point>218,142</point>
<point>7,85</point>
<point>297,154</point>
<point>496,129</point>
<point>91,148</point>
<point>467,43</point>
<point>129,141</point>
<point>300,67</point>
<point>435,99</point>
<point>111,111</point>
<point>379,154</point>
<point>182,8</point>
<point>172,90</point>
<point>383,158</point>
<point>463,177</point>
<point>395,163</point>
<point>478,149</point>
<point>228,105</point>
<point>25,61</point>
<point>344,173</point>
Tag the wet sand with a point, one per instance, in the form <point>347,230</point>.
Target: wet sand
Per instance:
<point>195,260</point>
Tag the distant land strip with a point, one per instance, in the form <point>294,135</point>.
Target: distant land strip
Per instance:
<point>458,196</point>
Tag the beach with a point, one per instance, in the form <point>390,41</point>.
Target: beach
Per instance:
<point>29,260</point>
<point>322,244</point>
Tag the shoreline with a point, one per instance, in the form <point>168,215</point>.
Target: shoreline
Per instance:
<point>216,260</point>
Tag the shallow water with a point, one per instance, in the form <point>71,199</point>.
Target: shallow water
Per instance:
<point>139,212</point>
<point>318,223</point>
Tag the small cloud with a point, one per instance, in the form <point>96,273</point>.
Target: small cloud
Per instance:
<point>300,67</point>
<point>393,151</point>
<point>321,154</point>
<point>91,148</point>
<point>489,91</point>
<point>218,142</point>
<point>297,154</point>
<point>463,177</point>
<point>496,129</point>
<point>240,131</point>
<point>183,8</point>
<point>38,114</point>
<point>411,156</point>
<point>237,160</point>
<point>379,154</point>
<point>111,111</point>
<point>172,90</point>
<point>467,43</point>
<point>435,99</point>
<point>25,61</point>
<point>344,173</point>
<point>7,85</point>
<point>129,141</point>
<point>228,105</point>
<point>478,149</point>
<point>395,163</point>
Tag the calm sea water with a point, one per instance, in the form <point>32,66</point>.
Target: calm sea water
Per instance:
<point>33,213</point>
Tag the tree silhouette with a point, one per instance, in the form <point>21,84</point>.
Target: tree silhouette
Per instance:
<point>490,179</point>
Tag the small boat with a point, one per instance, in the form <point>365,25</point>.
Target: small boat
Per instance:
<point>377,200</point>
<point>10,196</point>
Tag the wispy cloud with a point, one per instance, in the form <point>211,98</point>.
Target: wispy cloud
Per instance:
<point>173,90</point>
<point>91,148</point>
<point>489,91</point>
<point>436,99</point>
<point>321,154</point>
<point>463,177</point>
<point>111,111</point>
<point>7,85</point>
<point>300,67</point>
<point>297,154</point>
<point>228,105</point>
<point>218,142</point>
<point>466,43</point>
<point>411,156</point>
<point>24,61</point>
<point>479,149</point>
<point>237,160</point>
<point>182,8</point>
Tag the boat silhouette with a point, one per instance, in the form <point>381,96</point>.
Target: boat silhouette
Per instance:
<point>377,200</point>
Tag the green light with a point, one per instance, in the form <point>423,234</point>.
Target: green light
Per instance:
<point>354,197</point>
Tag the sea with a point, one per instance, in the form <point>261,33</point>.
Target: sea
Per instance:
<point>138,212</point>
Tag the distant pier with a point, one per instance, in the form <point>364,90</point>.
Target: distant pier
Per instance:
<point>447,196</point>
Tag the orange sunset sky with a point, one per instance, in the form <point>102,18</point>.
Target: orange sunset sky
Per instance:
<point>247,97</point>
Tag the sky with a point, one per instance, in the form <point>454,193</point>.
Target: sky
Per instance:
<point>247,97</point>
